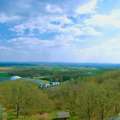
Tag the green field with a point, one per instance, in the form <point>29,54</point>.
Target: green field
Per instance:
<point>4,75</point>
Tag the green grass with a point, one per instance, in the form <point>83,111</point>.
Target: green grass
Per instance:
<point>4,75</point>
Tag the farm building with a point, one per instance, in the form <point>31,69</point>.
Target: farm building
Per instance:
<point>15,77</point>
<point>62,116</point>
<point>55,83</point>
<point>115,118</point>
<point>47,84</point>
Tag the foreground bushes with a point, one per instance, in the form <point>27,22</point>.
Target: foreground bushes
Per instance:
<point>24,98</point>
<point>89,99</point>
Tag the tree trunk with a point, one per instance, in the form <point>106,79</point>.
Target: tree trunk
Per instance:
<point>17,110</point>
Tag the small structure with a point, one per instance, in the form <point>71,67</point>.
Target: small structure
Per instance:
<point>55,83</point>
<point>15,77</point>
<point>115,118</point>
<point>46,85</point>
<point>42,84</point>
<point>62,116</point>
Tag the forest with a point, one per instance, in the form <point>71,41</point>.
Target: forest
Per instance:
<point>86,93</point>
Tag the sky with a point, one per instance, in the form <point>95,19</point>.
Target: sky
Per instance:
<point>84,31</point>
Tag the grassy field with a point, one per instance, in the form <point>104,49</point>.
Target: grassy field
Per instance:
<point>4,75</point>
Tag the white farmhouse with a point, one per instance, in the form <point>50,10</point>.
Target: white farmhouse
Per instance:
<point>15,77</point>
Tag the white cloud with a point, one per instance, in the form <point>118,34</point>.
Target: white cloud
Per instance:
<point>29,48</point>
<point>105,51</point>
<point>53,9</point>
<point>44,24</point>
<point>4,48</point>
<point>90,31</point>
<point>57,23</point>
<point>78,30</point>
<point>29,43</point>
<point>86,8</point>
<point>104,20</point>
<point>7,18</point>
<point>35,43</point>
<point>75,34</point>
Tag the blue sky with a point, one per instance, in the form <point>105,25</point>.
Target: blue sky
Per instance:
<point>60,31</point>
